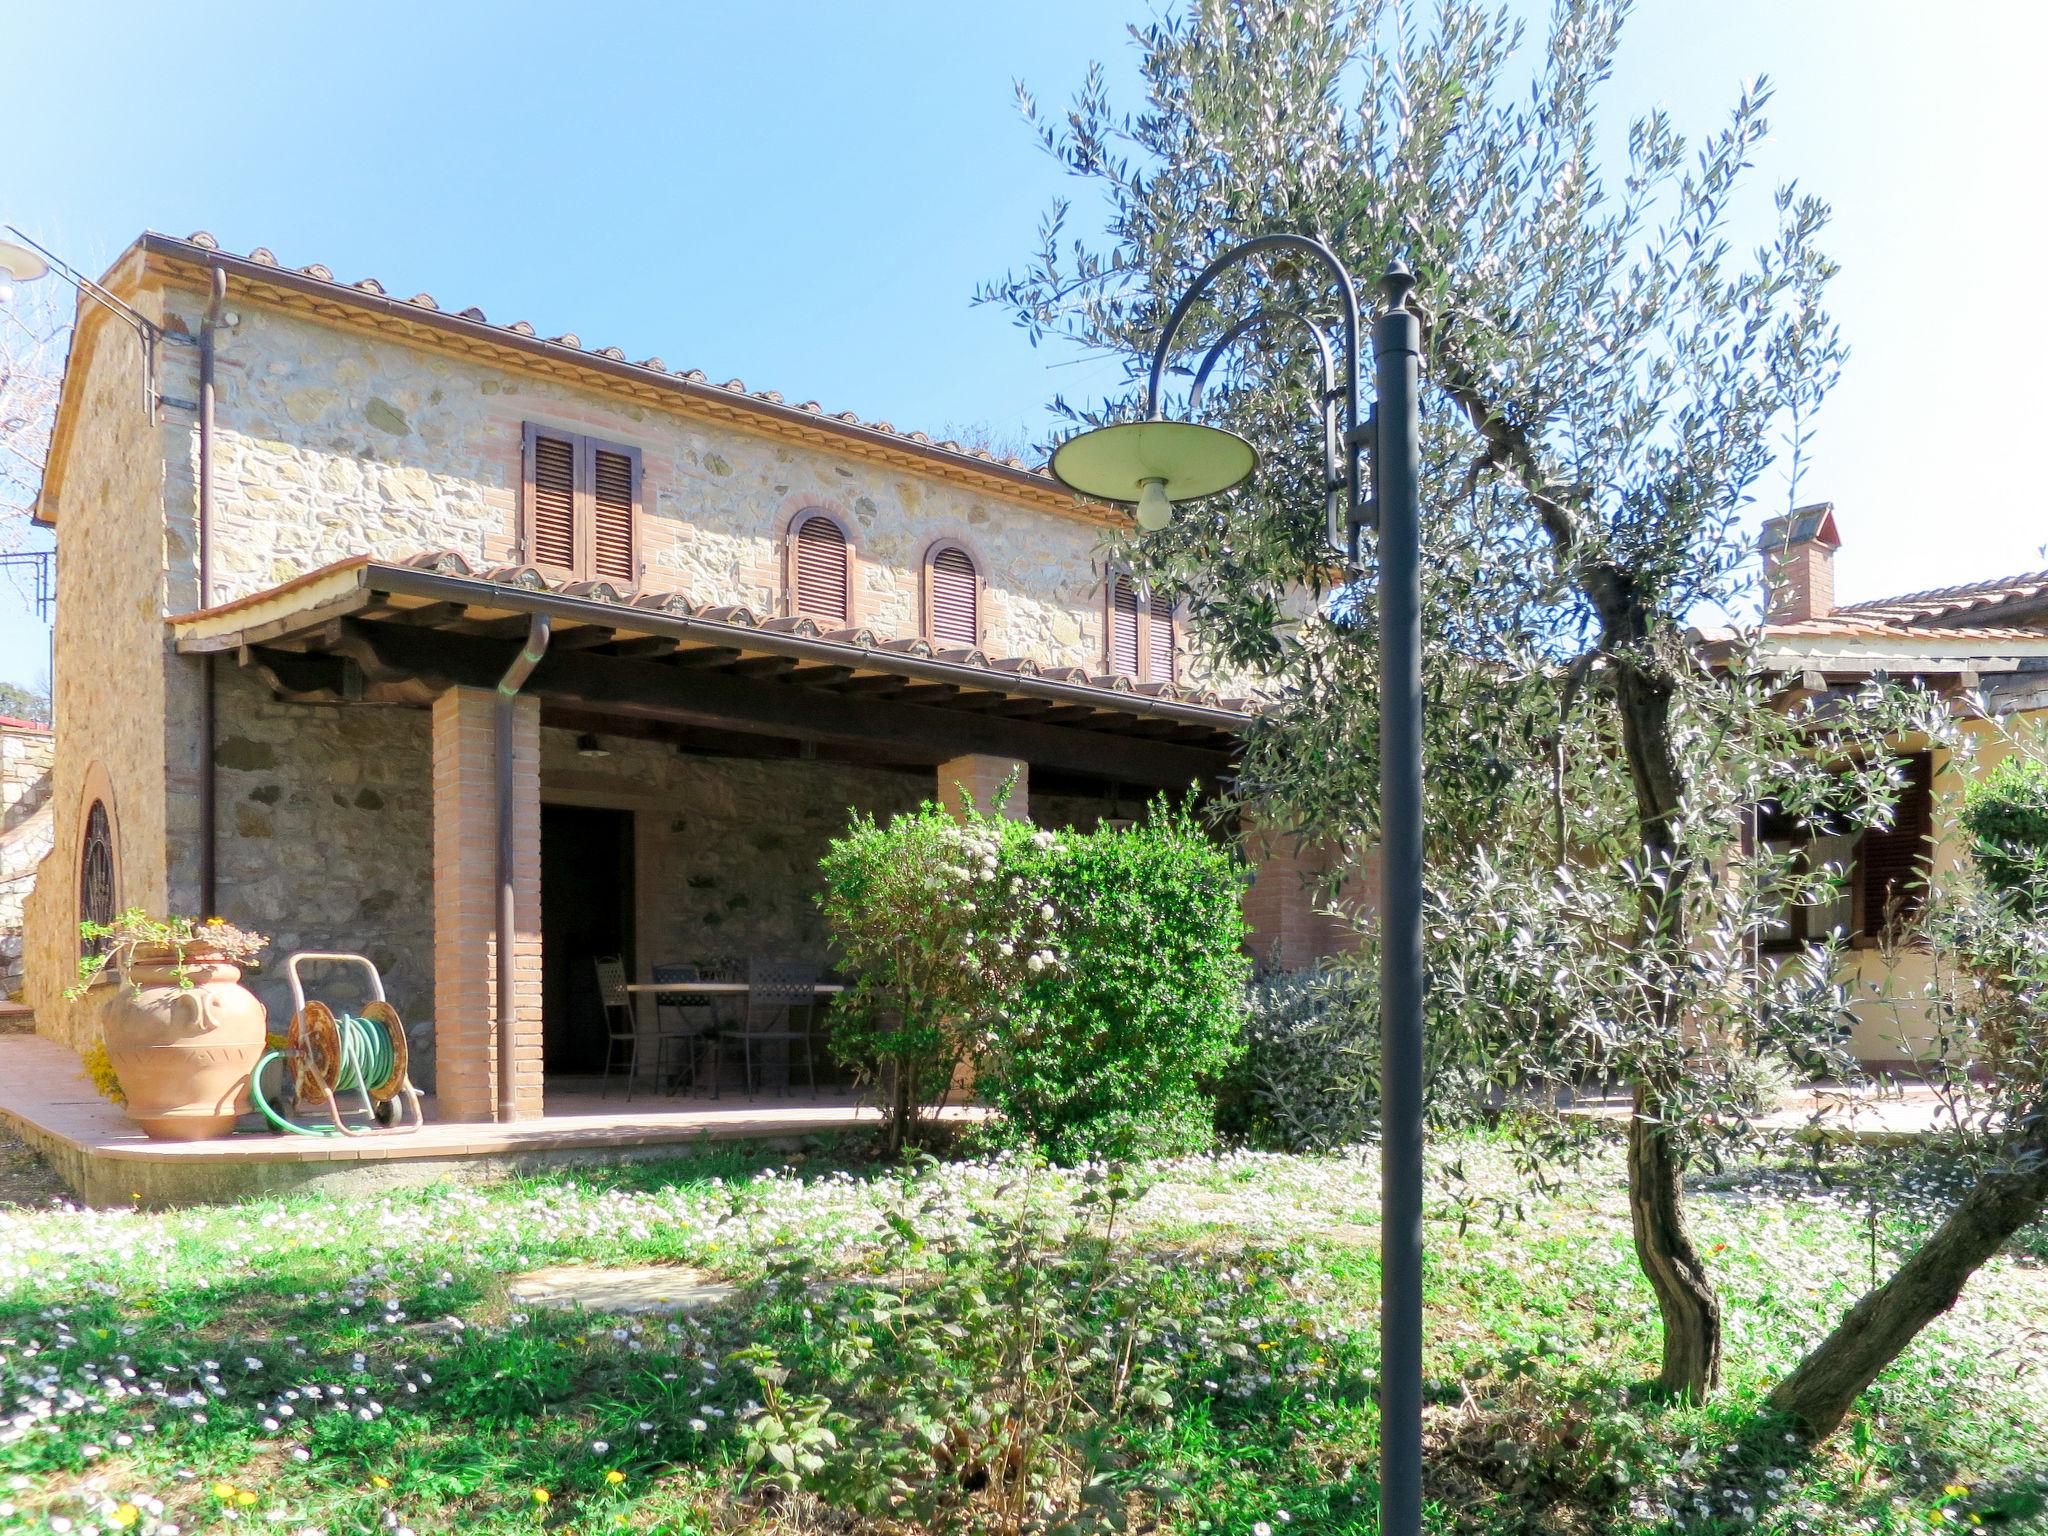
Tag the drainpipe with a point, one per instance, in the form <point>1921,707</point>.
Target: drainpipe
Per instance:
<point>209,866</point>
<point>537,632</point>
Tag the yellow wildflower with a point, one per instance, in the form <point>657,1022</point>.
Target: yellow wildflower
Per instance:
<point>245,1498</point>
<point>1955,1490</point>
<point>541,1495</point>
<point>378,1480</point>
<point>615,1477</point>
<point>124,1515</point>
<point>223,1490</point>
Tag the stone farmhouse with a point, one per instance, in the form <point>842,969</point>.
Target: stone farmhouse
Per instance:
<point>347,545</point>
<point>1984,645</point>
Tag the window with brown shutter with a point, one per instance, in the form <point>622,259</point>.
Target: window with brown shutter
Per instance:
<point>1891,867</point>
<point>1124,611</point>
<point>1162,643</point>
<point>580,505</point>
<point>821,569</point>
<point>952,592</point>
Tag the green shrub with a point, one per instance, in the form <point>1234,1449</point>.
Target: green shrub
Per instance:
<point>1112,1052</point>
<point>941,920</point>
<point>1310,1076</point>
<point>2005,812</point>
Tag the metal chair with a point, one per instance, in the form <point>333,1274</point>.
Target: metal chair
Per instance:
<point>679,1005</point>
<point>621,1023</point>
<point>777,992</point>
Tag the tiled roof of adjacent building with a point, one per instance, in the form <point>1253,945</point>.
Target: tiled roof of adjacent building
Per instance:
<point>1943,605</point>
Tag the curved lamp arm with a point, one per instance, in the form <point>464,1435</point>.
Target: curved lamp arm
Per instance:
<point>1343,439</point>
<point>1334,468</point>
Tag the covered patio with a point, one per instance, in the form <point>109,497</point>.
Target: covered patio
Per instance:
<point>642,777</point>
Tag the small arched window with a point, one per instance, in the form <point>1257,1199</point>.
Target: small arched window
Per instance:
<point>952,596</point>
<point>96,872</point>
<point>820,569</point>
<point>1124,611</point>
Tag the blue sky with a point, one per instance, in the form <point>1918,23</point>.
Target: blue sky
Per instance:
<point>804,194</point>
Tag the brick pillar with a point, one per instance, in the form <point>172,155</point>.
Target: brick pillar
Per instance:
<point>466,905</point>
<point>983,778</point>
<point>1290,891</point>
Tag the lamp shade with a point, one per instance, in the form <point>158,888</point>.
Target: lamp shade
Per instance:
<point>18,264</point>
<point>1193,461</point>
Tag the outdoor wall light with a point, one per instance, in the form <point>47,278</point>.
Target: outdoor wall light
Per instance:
<point>18,264</point>
<point>1155,462</point>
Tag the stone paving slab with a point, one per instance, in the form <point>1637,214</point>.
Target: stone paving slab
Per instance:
<point>638,1289</point>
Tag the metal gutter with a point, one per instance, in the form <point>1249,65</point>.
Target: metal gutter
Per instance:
<point>209,785</point>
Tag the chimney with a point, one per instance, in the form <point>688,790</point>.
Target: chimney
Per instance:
<point>1799,564</point>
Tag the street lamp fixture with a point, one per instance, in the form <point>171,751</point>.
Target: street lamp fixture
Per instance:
<point>1153,463</point>
<point>18,264</point>
<point>22,260</point>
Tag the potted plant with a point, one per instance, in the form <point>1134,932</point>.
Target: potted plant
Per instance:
<point>182,1034</point>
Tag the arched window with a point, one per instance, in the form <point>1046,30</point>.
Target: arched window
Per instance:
<point>820,569</point>
<point>952,596</point>
<point>96,872</point>
<point>1124,610</point>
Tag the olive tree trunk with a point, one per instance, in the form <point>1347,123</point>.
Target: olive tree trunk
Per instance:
<point>1686,1300</point>
<point>1825,1385</point>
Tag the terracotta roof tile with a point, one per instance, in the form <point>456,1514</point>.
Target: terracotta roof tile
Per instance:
<point>1918,608</point>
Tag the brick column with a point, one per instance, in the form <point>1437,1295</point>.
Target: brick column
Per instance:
<point>1290,890</point>
<point>983,778</point>
<point>466,905</point>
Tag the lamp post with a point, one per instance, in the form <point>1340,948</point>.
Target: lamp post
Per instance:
<point>1153,463</point>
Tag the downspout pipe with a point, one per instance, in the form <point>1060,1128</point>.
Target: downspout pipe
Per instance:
<point>538,630</point>
<point>209,789</point>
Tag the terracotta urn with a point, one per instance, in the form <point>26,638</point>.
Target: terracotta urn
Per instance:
<point>183,1035</point>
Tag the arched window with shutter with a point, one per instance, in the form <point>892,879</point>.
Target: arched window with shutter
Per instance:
<point>821,569</point>
<point>952,596</point>
<point>1125,612</point>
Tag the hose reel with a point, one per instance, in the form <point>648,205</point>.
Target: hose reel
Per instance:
<point>326,1054</point>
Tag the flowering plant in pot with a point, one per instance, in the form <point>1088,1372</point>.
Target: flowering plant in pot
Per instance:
<point>182,1034</point>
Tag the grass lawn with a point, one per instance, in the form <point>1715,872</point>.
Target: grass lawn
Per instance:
<point>1202,1352</point>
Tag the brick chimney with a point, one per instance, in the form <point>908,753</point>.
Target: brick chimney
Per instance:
<point>1799,564</point>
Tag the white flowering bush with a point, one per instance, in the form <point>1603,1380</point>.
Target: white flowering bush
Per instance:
<point>1310,1077</point>
<point>941,919</point>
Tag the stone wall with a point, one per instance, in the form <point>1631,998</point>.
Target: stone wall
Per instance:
<point>26,754</point>
<point>335,444</point>
<point>326,835</point>
<point>726,850</point>
<point>112,653</point>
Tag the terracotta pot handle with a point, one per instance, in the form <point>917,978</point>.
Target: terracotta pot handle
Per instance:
<point>191,995</point>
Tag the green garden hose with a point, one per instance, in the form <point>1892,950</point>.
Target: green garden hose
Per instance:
<point>366,1058</point>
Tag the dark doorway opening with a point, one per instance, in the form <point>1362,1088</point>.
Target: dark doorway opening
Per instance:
<point>586,913</point>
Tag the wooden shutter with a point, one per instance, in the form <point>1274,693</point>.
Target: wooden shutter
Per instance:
<point>819,572</point>
<point>550,532</point>
<point>953,592</point>
<point>1162,655</point>
<point>1892,867</point>
<point>614,492</point>
<point>1123,626</point>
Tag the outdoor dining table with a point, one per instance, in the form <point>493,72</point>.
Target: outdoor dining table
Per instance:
<point>716,989</point>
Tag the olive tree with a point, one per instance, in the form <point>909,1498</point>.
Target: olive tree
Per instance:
<point>1606,385</point>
